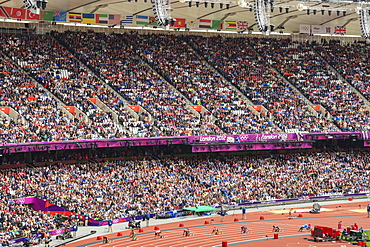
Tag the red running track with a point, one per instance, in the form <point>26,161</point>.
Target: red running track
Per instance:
<point>261,230</point>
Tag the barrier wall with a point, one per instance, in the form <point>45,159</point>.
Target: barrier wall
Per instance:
<point>176,140</point>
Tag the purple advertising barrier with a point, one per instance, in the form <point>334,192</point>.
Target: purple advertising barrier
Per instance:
<point>176,140</point>
<point>334,135</point>
<point>41,205</point>
<point>39,235</point>
<point>245,147</point>
<point>97,143</point>
<point>247,138</point>
<point>367,137</point>
<point>24,239</point>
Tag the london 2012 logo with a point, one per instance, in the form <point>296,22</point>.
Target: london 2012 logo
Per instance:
<point>20,200</point>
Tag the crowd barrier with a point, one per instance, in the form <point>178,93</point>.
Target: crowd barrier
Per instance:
<point>194,140</point>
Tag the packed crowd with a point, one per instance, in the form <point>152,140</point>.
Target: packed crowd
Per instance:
<point>351,60</point>
<point>241,65</point>
<point>20,221</point>
<point>43,57</point>
<point>135,65</point>
<point>122,67</point>
<point>317,81</point>
<point>194,78</point>
<point>117,189</point>
<point>42,115</point>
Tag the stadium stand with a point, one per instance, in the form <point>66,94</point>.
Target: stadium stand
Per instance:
<point>241,65</point>
<point>43,57</point>
<point>192,76</point>
<point>40,117</point>
<point>165,75</point>
<point>128,74</point>
<point>317,81</point>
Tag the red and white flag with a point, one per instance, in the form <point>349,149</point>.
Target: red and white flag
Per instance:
<point>32,16</point>
<point>18,13</point>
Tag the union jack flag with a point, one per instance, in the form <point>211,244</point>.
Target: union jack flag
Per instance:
<point>242,25</point>
<point>340,30</point>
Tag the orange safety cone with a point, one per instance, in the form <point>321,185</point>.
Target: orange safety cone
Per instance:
<point>156,228</point>
<point>141,230</point>
<point>99,238</point>
<point>262,218</point>
<point>300,215</point>
<point>236,220</point>
<point>181,225</point>
<point>119,234</point>
<point>206,222</point>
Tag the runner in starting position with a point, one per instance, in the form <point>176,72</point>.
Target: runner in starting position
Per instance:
<point>305,226</point>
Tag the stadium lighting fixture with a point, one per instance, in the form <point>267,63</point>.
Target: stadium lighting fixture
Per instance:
<point>162,12</point>
<point>262,15</point>
<point>35,5</point>
<point>365,22</point>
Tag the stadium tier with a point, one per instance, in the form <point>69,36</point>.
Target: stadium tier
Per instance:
<point>78,85</point>
<point>110,126</point>
<point>117,189</point>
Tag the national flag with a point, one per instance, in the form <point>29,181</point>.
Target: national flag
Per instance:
<point>205,23</point>
<point>47,16</point>
<point>5,11</point>
<point>75,17</point>
<point>114,19</point>
<point>316,29</point>
<point>230,25</point>
<point>328,29</point>
<point>142,20</point>
<point>242,25</point>
<point>340,30</point>
<point>101,18</point>
<point>191,23</point>
<point>60,16</point>
<point>88,18</point>
<point>304,28</point>
<point>152,21</point>
<point>127,19</point>
<point>217,24</point>
<point>48,204</point>
<point>180,22</point>
<point>18,13</point>
<point>32,16</point>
